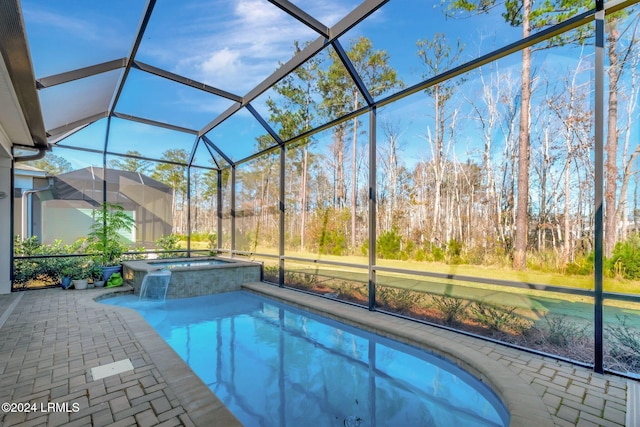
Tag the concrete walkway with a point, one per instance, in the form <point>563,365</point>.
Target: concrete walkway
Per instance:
<point>52,340</point>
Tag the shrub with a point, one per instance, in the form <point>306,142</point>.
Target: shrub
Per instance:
<point>582,265</point>
<point>437,253</point>
<point>42,271</point>
<point>347,289</point>
<point>212,239</point>
<point>168,243</point>
<point>624,344</point>
<point>625,259</point>
<point>271,273</point>
<point>388,244</point>
<point>300,280</point>
<point>454,251</point>
<point>452,308</point>
<point>401,300</point>
<point>562,333</point>
<point>499,318</point>
<point>364,249</point>
<point>134,254</point>
<point>420,255</point>
<point>326,231</point>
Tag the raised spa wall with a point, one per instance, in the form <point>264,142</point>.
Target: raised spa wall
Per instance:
<point>195,280</point>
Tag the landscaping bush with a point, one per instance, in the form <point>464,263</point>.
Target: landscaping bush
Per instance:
<point>452,308</point>
<point>400,300</point>
<point>625,259</point>
<point>582,265</point>
<point>170,242</point>
<point>437,254</point>
<point>271,273</point>
<point>42,271</point>
<point>326,231</point>
<point>300,280</point>
<point>499,318</point>
<point>624,344</point>
<point>388,245</point>
<point>454,252</point>
<point>561,332</point>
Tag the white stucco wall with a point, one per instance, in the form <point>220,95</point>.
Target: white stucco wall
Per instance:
<point>5,223</point>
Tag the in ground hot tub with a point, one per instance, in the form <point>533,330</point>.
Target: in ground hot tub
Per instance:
<point>192,277</point>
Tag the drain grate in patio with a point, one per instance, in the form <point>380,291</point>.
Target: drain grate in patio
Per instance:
<point>110,369</point>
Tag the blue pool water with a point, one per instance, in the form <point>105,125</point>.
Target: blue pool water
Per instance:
<point>275,365</point>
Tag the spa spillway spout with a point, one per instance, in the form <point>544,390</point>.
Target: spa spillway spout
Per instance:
<point>155,285</point>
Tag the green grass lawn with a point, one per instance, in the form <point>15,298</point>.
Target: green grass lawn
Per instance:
<point>533,304</point>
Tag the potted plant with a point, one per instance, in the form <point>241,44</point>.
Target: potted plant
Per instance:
<point>79,275</point>
<point>69,269</point>
<point>104,238</point>
<point>95,274</point>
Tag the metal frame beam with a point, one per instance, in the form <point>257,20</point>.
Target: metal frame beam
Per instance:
<point>213,157</point>
<point>302,16</point>
<point>154,123</point>
<point>264,124</point>
<point>514,47</point>
<point>53,140</point>
<point>233,209</point>
<point>219,207</point>
<point>217,150</point>
<point>80,73</point>
<point>353,73</point>
<point>599,119</point>
<point>184,80</point>
<point>85,121</point>
<point>373,123</point>
<point>365,9</point>
<point>134,49</point>
<point>193,151</point>
<point>282,217</point>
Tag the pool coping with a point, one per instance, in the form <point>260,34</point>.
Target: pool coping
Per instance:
<point>525,406</point>
<point>202,405</point>
<point>148,265</point>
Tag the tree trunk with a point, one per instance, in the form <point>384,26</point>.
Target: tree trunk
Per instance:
<point>303,213</point>
<point>354,176</point>
<point>611,148</point>
<point>522,208</point>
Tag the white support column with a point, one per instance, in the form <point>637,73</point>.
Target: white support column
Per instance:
<point>6,193</point>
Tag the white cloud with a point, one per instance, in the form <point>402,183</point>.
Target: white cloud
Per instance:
<point>238,47</point>
<point>221,63</point>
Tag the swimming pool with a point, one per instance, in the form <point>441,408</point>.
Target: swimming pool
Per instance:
<point>272,364</point>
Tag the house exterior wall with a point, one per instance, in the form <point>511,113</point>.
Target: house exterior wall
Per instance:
<point>5,224</point>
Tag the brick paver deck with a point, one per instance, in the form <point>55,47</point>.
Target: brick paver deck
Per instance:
<point>50,340</point>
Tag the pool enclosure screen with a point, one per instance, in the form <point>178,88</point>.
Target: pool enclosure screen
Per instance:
<point>469,164</point>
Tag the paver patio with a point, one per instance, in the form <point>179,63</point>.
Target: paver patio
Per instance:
<point>51,339</point>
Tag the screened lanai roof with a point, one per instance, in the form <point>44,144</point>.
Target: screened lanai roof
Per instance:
<point>192,68</point>
<point>199,75</point>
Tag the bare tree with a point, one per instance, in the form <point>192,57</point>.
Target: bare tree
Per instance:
<point>437,56</point>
